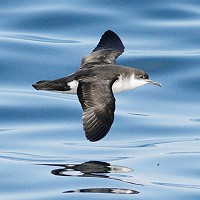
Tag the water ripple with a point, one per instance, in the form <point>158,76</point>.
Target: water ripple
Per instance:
<point>35,38</point>
<point>179,185</point>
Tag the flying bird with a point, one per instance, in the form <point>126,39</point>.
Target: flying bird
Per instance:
<point>95,82</point>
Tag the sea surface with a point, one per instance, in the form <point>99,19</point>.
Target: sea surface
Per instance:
<point>153,148</point>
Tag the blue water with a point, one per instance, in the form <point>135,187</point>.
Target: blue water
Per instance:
<point>153,148</point>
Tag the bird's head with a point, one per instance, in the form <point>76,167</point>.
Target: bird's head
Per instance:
<point>142,78</point>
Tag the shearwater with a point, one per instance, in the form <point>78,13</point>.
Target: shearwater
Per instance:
<point>95,82</point>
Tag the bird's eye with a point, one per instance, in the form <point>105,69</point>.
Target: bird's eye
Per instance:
<point>141,76</point>
<point>145,76</point>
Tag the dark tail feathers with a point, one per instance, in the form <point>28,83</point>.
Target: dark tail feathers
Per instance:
<point>52,85</point>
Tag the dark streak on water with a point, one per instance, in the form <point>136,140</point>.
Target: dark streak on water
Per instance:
<point>153,148</point>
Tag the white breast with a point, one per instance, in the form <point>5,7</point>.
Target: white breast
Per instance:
<point>126,83</point>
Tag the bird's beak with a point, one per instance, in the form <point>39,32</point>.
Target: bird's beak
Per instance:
<point>155,83</point>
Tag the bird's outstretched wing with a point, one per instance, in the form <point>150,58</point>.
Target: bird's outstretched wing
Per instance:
<point>98,103</point>
<point>108,49</point>
<point>110,41</point>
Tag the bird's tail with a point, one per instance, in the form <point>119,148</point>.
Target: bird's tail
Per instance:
<point>56,85</point>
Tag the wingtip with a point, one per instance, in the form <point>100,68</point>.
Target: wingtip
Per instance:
<point>110,40</point>
<point>96,139</point>
<point>110,31</point>
<point>97,135</point>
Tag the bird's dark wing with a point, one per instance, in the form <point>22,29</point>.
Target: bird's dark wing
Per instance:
<point>108,49</point>
<point>98,103</point>
<point>110,41</point>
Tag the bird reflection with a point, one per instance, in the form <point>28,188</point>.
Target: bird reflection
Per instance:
<point>96,169</point>
<point>104,190</point>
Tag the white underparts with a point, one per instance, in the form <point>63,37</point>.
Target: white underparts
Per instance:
<point>73,87</point>
<point>126,83</point>
<point>122,84</point>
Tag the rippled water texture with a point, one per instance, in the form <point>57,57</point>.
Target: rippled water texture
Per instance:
<point>153,148</point>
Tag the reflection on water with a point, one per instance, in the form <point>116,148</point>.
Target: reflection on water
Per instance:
<point>105,190</point>
<point>96,169</point>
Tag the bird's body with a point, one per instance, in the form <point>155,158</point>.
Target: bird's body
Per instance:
<point>96,81</point>
<point>125,79</point>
